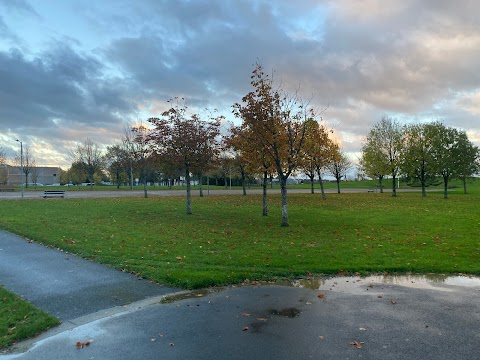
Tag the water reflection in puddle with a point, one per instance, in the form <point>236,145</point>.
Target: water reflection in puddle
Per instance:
<point>356,283</point>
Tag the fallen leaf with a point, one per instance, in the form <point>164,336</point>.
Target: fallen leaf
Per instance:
<point>171,344</point>
<point>380,296</point>
<point>245,328</point>
<point>393,302</point>
<point>362,329</point>
<point>178,258</point>
<point>80,344</point>
<point>308,303</point>
<point>321,337</point>
<point>262,319</point>
<point>356,344</point>
<point>245,314</point>
<point>321,296</point>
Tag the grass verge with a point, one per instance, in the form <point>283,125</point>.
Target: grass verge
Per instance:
<point>20,320</point>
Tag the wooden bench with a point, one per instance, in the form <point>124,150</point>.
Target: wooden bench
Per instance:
<point>53,193</point>
<point>6,188</point>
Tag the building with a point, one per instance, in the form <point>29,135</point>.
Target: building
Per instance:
<point>45,175</point>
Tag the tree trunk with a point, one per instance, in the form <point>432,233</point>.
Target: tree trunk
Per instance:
<point>424,192</point>
<point>283,187</point>
<point>464,180</point>
<point>322,189</point>
<point>264,197</point>
<point>312,182</point>
<point>131,177</point>
<point>445,187</point>
<point>380,182</point>
<point>338,185</point>
<point>189,195</point>
<point>394,187</point>
<point>200,184</point>
<point>243,185</point>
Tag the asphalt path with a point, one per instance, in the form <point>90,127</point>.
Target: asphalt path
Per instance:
<point>75,194</point>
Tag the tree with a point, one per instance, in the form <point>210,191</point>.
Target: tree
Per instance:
<point>185,141</point>
<point>338,167</point>
<point>276,124</point>
<point>469,156</point>
<point>140,151</point>
<point>384,147</point>
<point>445,153</point>
<point>319,151</point>
<point>28,162</point>
<point>3,167</point>
<point>90,155</point>
<point>373,162</point>
<point>117,161</point>
<point>418,162</point>
<point>255,160</point>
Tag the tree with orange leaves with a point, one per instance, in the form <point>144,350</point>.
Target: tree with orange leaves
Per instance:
<point>276,125</point>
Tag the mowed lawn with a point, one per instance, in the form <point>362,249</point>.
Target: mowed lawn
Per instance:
<point>227,240</point>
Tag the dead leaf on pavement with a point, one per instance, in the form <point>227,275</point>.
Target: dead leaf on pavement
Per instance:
<point>393,302</point>
<point>82,344</point>
<point>321,296</point>
<point>261,319</point>
<point>245,328</point>
<point>245,314</point>
<point>357,344</point>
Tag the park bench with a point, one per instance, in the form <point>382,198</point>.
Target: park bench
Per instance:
<point>53,193</point>
<point>6,188</point>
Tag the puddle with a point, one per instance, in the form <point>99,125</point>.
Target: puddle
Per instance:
<point>353,284</point>
<point>287,312</point>
<point>188,295</point>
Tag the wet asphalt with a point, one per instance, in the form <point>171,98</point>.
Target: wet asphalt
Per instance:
<point>124,317</point>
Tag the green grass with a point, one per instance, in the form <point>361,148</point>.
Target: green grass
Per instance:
<point>227,239</point>
<point>20,320</point>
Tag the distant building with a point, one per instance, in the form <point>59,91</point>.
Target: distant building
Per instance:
<point>45,175</point>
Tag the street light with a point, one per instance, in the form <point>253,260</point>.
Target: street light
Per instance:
<point>21,164</point>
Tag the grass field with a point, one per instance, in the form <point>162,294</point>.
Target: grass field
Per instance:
<point>226,240</point>
<point>20,320</point>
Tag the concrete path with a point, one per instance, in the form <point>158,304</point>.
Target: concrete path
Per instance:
<point>342,318</point>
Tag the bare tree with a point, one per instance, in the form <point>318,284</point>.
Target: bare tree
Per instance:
<point>3,167</point>
<point>28,162</point>
<point>338,168</point>
<point>90,155</point>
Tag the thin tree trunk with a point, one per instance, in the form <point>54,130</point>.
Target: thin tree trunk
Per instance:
<point>380,181</point>
<point>338,185</point>
<point>424,192</point>
<point>322,189</point>
<point>200,184</point>
<point>145,184</point>
<point>394,187</point>
<point>243,185</point>
<point>312,181</point>
<point>131,177</point>
<point>189,195</point>
<point>445,187</point>
<point>264,196</point>
<point>283,186</point>
<point>464,180</point>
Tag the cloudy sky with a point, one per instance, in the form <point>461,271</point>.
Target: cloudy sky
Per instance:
<point>77,69</point>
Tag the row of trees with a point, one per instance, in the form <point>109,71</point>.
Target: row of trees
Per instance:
<point>420,152</point>
<point>279,135</point>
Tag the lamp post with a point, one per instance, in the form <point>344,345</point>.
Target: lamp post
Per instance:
<point>21,164</point>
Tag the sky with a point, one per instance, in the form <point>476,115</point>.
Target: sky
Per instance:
<point>77,69</point>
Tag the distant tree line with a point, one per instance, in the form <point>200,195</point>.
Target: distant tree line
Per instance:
<point>421,153</point>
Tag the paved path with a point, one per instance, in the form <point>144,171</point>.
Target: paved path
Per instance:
<point>353,318</point>
<point>155,193</point>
